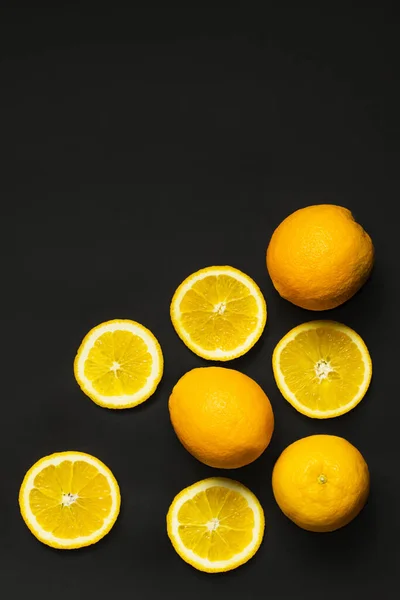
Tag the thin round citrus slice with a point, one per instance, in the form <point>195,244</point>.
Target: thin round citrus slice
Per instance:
<point>219,313</point>
<point>216,525</point>
<point>69,500</point>
<point>323,368</point>
<point>119,364</point>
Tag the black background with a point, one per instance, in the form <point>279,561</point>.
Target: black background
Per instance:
<point>139,146</point>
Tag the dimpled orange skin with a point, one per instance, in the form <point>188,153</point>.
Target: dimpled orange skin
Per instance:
<point>321,482</point>
<point>221,416</point>
<point>319,257</point>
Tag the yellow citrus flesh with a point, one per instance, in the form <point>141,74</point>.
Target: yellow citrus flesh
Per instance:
<point>321,482</point>
<point>219,313</point>
<point>216,524</point>
<point>69,500</point>
<point>119,364</point>
<point>323,368</point>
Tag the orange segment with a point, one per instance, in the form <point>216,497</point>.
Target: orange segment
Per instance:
<point>51,518</point>
<point>40,501</point>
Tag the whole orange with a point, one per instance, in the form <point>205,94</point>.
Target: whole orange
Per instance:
<point>321,482</point>
<point>221,416</point>
<point>319,257</point>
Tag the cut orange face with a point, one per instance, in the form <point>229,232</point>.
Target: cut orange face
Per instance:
<point>69,500</point>
<point>119,364</point>
<point>216,524</point>
<point>323,368</point>
<point>219,313</point>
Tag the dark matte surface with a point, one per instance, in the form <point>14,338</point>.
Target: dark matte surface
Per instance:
<point>137,149</point>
